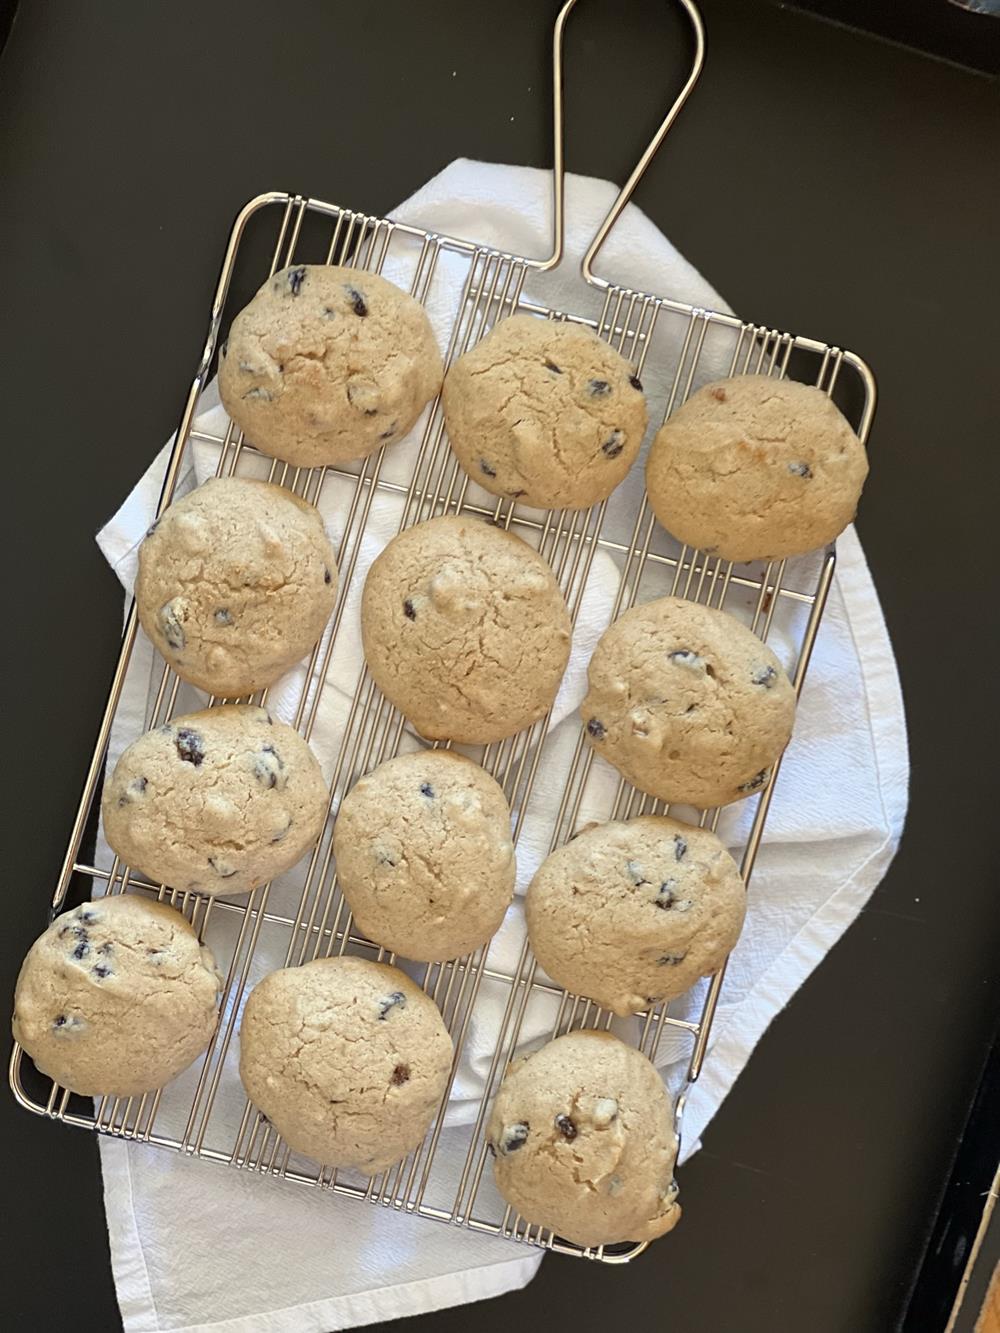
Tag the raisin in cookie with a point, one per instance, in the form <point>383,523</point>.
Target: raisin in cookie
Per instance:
<point>544,412</point>
<point>583,1141</point>
<point>687,703</point>
<point>756,468</point>
<point>236,582</point>
<point>465,630</point>
<point>348,1060</point>
<point>629,914</point>
<point>215,802</point>
<point>327,364</point>
<point>424,855</point>
<point>116,998</point>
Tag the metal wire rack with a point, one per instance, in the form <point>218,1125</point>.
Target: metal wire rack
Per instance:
<point>687,345</point>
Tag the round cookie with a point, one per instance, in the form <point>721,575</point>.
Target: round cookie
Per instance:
<point>753,468</point>
<point>583,1141</point>
<point>687,703</point>
<point>348,1059</point>
<point>424,855</point>
<point>327,364</point>
<point>632,913</point>
<point>236,582</point>
<point>544,412</point>
<point>117,997</point>
<point>218,801</point>
<point>465,630</point>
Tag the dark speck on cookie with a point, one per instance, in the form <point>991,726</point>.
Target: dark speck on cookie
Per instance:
<point>614,444</point>
<point>134,789</point>
<point>357,301</point>
<point>296,277</point>
<point>81,950</point>
<point>397,1000</point>
<point>757,781</point>
<point>388,434</point>
<point>671,959</point>
<point>566,1127</point>
<point>486,469</point>
<point>400,1075</point>
<point>222,868</point>
<point>514,1137</point>
<point>596,729</point>
<point>427,790</point>
<point>190,746</point>
<point>223,616</point>
<point>765,675</point>
<point>635,873</point>
<point>598,388</point>
<point>665,894</point>
<point>800,470</point>
<point>680,847</point>
<point>101,970</point>
<point>636,382</point>
<point>268,766</point>
<point>327,576</point>
<point>409,610</point>
<point>551,365</point>
<point>173,630</point>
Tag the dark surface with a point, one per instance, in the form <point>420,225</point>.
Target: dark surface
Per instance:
<point>957,30</point>
<point>827,184</point>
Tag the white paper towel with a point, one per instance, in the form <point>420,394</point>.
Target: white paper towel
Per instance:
<point>198,1248</point>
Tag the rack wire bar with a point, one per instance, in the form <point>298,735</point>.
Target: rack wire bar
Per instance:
<point>689,344</point>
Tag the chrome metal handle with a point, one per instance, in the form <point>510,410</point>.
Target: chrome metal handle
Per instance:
<point>558,153</point>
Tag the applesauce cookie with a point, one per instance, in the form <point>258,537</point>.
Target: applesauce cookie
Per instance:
<point>348,1060</point>
<point>215,802</point>
<point>582,1136</point>
<point>424,855</point>
<point>465,630</point>
<point>632,913</point>
<point>544,412</point>
<point>687,703</point>
<point>236,582</point>
<point>327,364</point>
<point>754,468</point>
<point>117,997</point>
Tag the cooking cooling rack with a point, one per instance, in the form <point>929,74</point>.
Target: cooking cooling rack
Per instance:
<point>684,346</point>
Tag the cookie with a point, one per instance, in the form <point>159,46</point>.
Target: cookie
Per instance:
<point>687,703</point>
<point>582,1137</point>
<point>753,468</point>
<point>348,1059</point>
<point>215,802</point>
<point>465,630</point>
<point>117,997</point>
<point>632,913</point>
<point>327,364</point>
<point>544,412</point>
<point>236,582</point>
<point>424,855</point>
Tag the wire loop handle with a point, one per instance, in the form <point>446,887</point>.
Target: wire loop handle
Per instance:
<point>558,147</point>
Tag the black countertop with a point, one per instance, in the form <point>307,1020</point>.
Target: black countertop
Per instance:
<point>825,183</point>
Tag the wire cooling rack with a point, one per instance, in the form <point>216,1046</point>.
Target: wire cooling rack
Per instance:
<point>686,346</point>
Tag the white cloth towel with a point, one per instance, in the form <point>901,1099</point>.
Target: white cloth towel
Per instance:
<point>195,1248</point>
